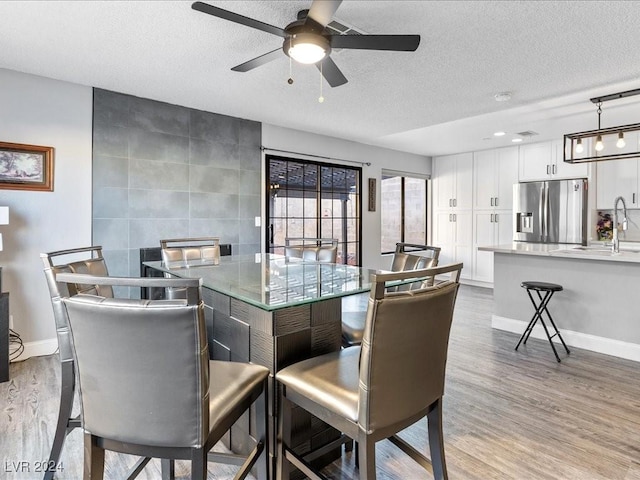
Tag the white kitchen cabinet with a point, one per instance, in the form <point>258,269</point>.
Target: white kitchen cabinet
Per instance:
<point>489,228</point>
<point>494,173</point>
<point>618,177</point>
<point>545,161</point>
<point>453,233</point>
<point>453,182</point>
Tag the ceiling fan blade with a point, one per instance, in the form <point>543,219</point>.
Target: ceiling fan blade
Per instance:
<point>322,11</point>
<point>402,43</point>
<point>256,62</point>
<point>331,72</point>
<point>237,18</point>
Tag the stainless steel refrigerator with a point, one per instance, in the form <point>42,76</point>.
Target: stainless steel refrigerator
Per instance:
<point>550,212</point>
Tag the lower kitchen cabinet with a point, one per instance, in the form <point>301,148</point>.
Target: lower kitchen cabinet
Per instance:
<point>492,227</point>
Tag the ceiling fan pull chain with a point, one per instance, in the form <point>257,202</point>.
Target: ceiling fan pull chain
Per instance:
<point>290,80</point>
<point>321,98</point>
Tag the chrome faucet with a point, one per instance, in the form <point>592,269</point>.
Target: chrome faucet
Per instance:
<point>615,247</point>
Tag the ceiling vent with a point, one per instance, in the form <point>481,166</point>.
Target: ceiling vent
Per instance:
<point>527,133</point>
<point>340,28</point>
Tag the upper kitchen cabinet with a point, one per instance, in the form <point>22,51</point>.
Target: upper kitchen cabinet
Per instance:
<point>494,173</point>
<point>618,177</point>
<point>453,182</point>
<point>545,161</point>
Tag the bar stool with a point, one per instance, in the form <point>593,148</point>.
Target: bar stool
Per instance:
<point>549,289</point>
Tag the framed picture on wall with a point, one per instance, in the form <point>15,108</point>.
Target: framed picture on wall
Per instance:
<point>26,167</point>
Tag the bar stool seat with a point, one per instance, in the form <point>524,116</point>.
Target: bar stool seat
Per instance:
<point>541,307</point>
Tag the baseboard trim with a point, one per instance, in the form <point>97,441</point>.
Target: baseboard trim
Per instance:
<point>608,346</point>
<point>38,349</point>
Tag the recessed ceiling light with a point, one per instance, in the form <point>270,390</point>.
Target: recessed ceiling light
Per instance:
<point>516,140</point>
<point>499,134</point>
<point>502,96</point>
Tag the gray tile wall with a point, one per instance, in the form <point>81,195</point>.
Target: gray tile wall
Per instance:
<point>165,171</point>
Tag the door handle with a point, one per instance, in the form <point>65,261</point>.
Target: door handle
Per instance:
<point>491,218</point>
<point>450,218</point>
<point>492,201</point>
<point>553,169</point>
<point>496,218</point>
<point>496,202</point>
<point>547,169</point>
<point>450,203</point>
<point>634,198</point>
<point>455,202</point>
<point>454,217</point>
<point>271,233</point>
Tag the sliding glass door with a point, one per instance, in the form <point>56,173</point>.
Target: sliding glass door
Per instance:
<point>314,200</point>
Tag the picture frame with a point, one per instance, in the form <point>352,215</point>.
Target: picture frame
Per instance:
<point>372,194</point>
<point>26,167</point>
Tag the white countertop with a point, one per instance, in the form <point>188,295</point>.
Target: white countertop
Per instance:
<point>629,253</point>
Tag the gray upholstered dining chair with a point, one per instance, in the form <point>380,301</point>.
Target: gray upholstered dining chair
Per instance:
<point>181,250</point>
<point>188,251</point>
<point>79,260</point>
<point>323,250</point>
<point>353,320</point>
<point>147,384</point>
<point>395,378</point>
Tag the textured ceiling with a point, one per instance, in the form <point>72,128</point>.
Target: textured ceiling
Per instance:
<point>542,51</point>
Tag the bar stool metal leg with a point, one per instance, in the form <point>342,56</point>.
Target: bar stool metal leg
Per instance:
<point>540,308</point>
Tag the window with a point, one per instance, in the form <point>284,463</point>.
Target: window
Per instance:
<point>314,200</point>
<point>403,210</point>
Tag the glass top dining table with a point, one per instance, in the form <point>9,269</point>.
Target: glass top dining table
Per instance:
<point>271,281</point>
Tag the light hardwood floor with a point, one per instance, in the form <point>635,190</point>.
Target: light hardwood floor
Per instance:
<point>507,414</point>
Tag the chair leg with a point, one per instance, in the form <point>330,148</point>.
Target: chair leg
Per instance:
<point>67,390</point>
<point>93,459</point>
<point>262,433</point>
<point>436,441</point>
<point>367,459</point>
<point>168,468</point>
<point>198,464</point>
<point>284,438</point>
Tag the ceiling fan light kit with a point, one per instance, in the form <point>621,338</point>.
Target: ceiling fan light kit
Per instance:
<point>603,143</point>
<point>308,40</point>
<point>306,48</point>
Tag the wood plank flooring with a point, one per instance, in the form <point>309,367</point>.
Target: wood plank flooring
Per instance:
<point>507,414</point>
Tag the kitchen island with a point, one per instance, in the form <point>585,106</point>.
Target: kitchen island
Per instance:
<point>598,308</point>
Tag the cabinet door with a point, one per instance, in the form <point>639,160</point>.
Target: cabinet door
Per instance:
<point>615,178</point>
<point>561,169</point>
<point>463,225</point>
<point>504,227</point>
<point>464,182</point>
<point>535,161</point>
<point>484,179</point>
<point>484,235</point>
<point>443,236</point>
<point>507,175</point>
<point>444,181</point>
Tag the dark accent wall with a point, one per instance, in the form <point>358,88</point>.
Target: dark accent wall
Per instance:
<point>166,171</point>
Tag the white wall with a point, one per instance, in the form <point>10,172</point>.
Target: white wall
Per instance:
<point>40,111</point>
<point>380,158</point>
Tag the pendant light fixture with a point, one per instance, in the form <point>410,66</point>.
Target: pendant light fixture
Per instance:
<point>604,143</point>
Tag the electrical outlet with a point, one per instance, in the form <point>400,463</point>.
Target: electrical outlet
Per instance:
<point>11,322</point>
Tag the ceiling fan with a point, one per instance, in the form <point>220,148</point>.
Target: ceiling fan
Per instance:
<point>307,39</point>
